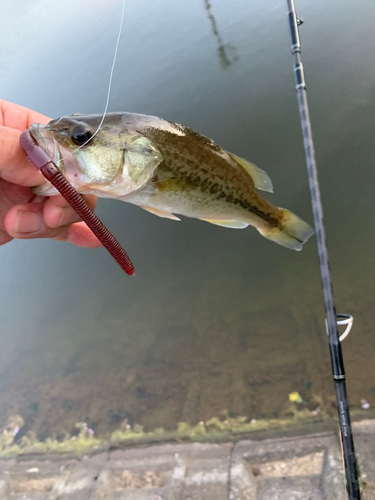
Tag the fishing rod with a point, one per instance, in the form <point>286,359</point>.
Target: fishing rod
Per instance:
<point>350,462</point>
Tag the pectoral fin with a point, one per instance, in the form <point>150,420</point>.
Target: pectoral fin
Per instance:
<point>259,176</point>
<point>140,160</point>
<point>160,213</point>
<point>233,224</point>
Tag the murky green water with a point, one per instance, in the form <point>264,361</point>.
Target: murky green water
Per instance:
<point>216,321</point>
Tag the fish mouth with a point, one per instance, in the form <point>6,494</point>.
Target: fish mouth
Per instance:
<point>44,138</point>
<point>64,160</point>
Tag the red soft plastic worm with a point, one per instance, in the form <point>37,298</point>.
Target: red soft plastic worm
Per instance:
<point>42,161</point>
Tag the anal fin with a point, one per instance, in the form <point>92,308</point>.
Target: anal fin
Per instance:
<point>160,213</point>
<point>233,224</point>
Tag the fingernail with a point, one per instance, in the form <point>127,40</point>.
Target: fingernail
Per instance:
<point>29,222</point>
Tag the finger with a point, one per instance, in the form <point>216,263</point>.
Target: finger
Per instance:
<point>26,221</point>
<point>79,234</point>
<point>12,194</point>
<point>18,117</point>
<point>14,165</point>
<point>58,212</point>
<point>60,201</point>
<point>4,237</point>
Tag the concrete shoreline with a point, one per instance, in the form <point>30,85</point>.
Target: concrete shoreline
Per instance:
<point>282,468</point>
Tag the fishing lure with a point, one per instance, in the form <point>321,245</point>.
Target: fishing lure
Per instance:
<point>43,162</point>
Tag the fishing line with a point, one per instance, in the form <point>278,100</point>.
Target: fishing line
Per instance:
<point>110,76</point>
<point>43,162</point>
<point>110,81</point>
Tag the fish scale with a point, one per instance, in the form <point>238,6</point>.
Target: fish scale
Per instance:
<point>193,179</point>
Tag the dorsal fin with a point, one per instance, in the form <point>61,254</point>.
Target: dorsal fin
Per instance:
<point>259,176</point>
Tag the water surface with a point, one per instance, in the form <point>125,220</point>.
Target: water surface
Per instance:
<point>216,321</point>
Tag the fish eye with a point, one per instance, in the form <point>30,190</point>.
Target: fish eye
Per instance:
<point>81,135</point>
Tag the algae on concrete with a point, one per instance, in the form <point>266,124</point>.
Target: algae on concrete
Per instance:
<point>85,441</point>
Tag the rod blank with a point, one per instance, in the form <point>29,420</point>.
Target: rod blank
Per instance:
<point>350,462</point>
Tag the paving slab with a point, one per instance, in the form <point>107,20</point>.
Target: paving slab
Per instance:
<point>294,468</point>
<point>303,468</point>
<point>137,474</point>
<point>206,477</point>
<point>167,472</point>
<point>4,486</point>
<point>364,439</point>
<point>79,482</point>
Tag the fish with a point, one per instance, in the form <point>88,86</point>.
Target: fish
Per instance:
<point>166,169</point>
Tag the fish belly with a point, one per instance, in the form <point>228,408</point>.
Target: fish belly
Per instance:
<point>194,204</point>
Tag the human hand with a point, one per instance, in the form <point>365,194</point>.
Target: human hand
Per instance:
<point>24,215</point>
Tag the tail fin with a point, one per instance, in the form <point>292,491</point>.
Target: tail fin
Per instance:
<point>292,232</point>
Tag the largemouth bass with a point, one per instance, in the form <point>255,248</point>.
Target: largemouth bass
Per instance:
<point>166,169</point>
